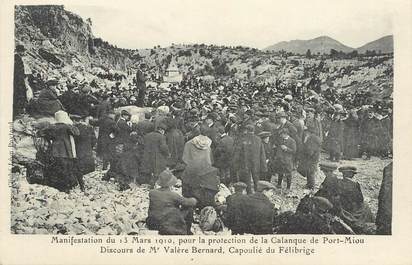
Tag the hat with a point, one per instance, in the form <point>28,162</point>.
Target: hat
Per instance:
<point>348,169</point>
<point>281,114</point>
<point>284,131</point>
<point>250,128</point>
<point>328,166</point>
<point>166,179</point>
<point>162,125</point>
<point>239,186</point>
<point>264,185</point>
<point>20,48</point>
<point>125,113</point>
<point>52,82</point>
<point>288,97</point>
<point>86,89</point>
<point>201,142</point>
<point>322,203</point>
<point>62,117</point>
<point>264,134</point>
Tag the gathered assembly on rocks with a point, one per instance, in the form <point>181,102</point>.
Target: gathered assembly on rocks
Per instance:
<point>197,139</point>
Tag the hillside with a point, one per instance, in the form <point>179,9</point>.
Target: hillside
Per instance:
<point>384,45</point>
<point>321,45</point>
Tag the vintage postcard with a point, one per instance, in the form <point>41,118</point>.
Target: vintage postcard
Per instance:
<point>205,132</point>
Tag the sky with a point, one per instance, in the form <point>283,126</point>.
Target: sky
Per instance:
<point>252,23</point>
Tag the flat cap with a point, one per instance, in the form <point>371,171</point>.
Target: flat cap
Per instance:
<point>264,185</point>
<point>326,166</point>
<point>264,134</point>
<point>238,186</point>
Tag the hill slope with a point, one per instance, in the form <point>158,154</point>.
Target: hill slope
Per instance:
<point>321,45</point>
<point>384,44</point>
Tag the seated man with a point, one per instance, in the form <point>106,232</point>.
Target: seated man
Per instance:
<point>233,217</point>
<point>258,211</point>
<point>167,209</point>
<point>48,103</point>
<point>354,210</point>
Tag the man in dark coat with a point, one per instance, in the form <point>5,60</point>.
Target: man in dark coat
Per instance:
<point>145,126</point>
<point>334,138</point>
<point>48,103</point>
<point>250,158</point>
<point>284,157</point>
<point>351,136</point>
<point>106,138</point>
<point>156,154</point>
<point>85,142</point>
<point>384,214</point>
<point>167,209</point>
<point>234,219</point>
<point>223,155</point>
<point>310,155</point>
<point>19,84</point>
<point>104,107</point>
<point>175,141</point>
<point>141,85</point>
<point>354,211</point>
<point>258,211</point>
<point>371,129</point>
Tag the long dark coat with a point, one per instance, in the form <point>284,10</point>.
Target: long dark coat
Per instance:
<point>48,103</point>
<point>371,129</point>
<point>310,155</point>
<point>284,159</point>
<point>384,214</point>
<point>351,138</point>
<point>19,87</point>
<point>176,142</point>
<point>223,153</point>
<point>258,214</point>
<point>335,136</point>
<point>103,108</point>
<point>105,144</point>
<point>249,154</point>
<point>85,142</point>
<point>156,153</point>
<point>234,216</point>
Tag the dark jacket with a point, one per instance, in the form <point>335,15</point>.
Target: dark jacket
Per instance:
<point>250,154</point>
<point>235,220</point>
<point>85,142</point>
<point>105,144</point>
<point>103,108</point>
<point>164,212</point>
<point>310,153</point>
<point>284,158</point>
<point>60,134</point>
<point>223,153</point>
<point>258,214</point>
<point>156,153</point>
<point>384,214</point>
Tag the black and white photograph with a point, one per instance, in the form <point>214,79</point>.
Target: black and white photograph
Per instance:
<point>195,118</point>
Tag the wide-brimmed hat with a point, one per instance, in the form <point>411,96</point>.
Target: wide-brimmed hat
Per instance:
<point>348,169</point>
<point>201,142</point>
<point>328,166</point>
<point>264,185</point>
<point>166,179</point>
<point>62,117</point>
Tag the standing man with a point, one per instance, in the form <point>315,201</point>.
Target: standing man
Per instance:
<point>284,157</point>
<point>156,153</point>
<point>141,85</point>
<point>20,82</point>
<point>310,156</point>
<point>250,158</point>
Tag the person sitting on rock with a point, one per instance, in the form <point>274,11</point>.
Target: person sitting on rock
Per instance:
<point>354,210</point>
<point>233,217</point>
<point>48,103</point>
<point>167,209</point>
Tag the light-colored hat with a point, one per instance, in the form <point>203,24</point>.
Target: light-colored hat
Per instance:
<point>201,142</point>
<point>62,117</point>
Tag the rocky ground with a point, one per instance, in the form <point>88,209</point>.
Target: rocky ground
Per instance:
<point>37,209</point>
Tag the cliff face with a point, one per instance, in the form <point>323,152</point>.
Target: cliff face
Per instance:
<point>49,31</point>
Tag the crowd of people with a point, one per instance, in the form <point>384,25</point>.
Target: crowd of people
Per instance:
<point>238,133</point>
